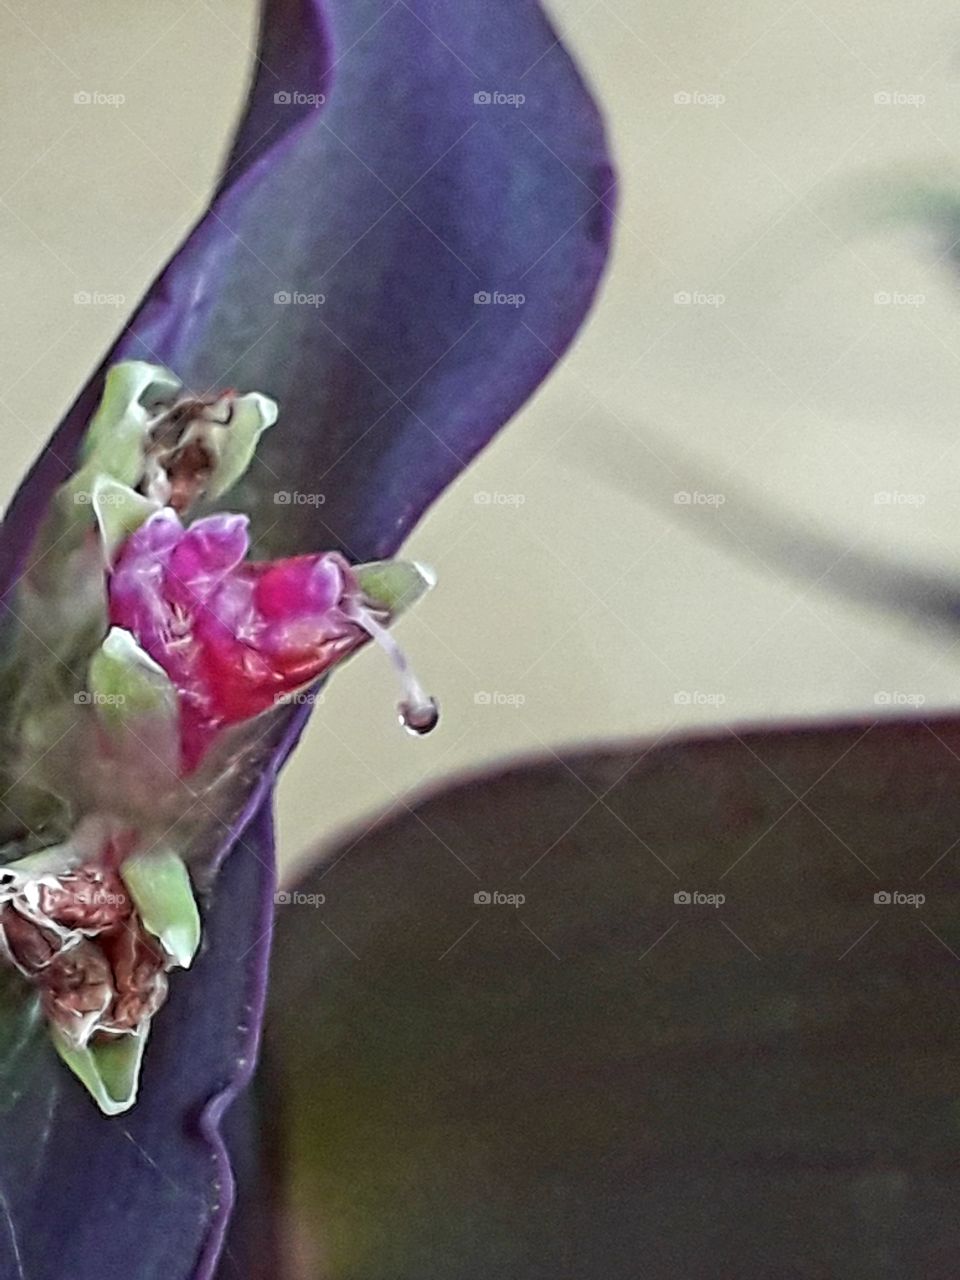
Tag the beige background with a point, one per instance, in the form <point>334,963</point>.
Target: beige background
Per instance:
<point>597,600</point>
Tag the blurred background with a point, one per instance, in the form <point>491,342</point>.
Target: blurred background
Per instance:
<point>779,333</point>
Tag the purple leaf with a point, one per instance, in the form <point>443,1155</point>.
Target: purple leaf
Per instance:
<point>399,200</point>
<point>604,1080</point>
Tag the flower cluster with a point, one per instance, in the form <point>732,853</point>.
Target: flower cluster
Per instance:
<point>182,638</point>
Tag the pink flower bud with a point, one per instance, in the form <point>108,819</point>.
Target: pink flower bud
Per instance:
<point>233,636</point>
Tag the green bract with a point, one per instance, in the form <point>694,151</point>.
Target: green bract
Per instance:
<point>394,585</point>
<point>109,1070</point>
<point>237,443</point>
<point>159,885</point>
<point>114,442</point>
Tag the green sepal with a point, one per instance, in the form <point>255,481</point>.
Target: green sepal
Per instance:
<point>236,443</point>
<point>159,884</point>
<point>109,1070</point>
<point>394,585</point>
<point>114,441</point>
<point>113,447</point>
<point>120,511</point>
<point>126,684</point>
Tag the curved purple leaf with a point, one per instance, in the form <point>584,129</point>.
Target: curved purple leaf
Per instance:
<point>294,56</point>
<point>429,200</point>
<point>605,1081</point>
<point>399,200</point>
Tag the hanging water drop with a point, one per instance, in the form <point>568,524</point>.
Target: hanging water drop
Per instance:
<point>419,718</point>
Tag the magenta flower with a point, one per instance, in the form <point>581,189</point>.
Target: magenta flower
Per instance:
<point>235,638</point>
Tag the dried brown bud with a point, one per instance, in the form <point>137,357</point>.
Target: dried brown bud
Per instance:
<point>75,985</point>
<point>139,980</point>
<point>81,943</point>
<point>179,445</point>
<point>89,899</point>
<point>31,947</point>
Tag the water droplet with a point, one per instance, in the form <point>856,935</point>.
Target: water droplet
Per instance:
<point>419,717</point>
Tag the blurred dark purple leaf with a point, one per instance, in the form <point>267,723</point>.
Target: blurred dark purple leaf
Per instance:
<point>399,200</point>
<point>603,1082</point>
